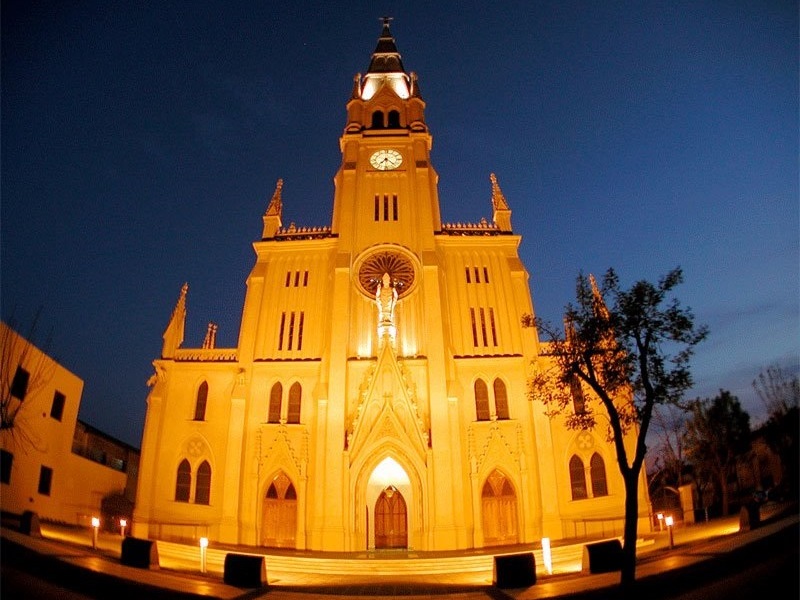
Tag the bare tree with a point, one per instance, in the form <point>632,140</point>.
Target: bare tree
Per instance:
<point>24,371</point>
<point>778,390</point>
<point>668,425</point>
<point>631,357</point>
<point>780,394</point>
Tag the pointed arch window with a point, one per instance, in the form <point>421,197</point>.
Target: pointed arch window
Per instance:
<point>394,119</point>
<point>577,479</point>
<point>183,483</point>
<point>200,402</point>
<point>481,400</point>
<point>202,492</point>
<point>500,399</point>
<point>377,120</point>
<point>274,414</point>
<point>597,470</point>
<point>293,412</point>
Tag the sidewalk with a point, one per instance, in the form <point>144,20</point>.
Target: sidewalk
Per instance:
<point>95,570</point>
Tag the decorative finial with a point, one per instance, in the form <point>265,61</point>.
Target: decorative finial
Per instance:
<point>276,204</point>
<point>498,199</point>
<point>597,298</point>
<point>210,340</point>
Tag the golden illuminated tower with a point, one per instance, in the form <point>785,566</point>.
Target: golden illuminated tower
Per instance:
<point>377,394</point>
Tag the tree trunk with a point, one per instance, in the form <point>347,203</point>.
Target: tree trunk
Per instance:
<point>628,572</point>
<point>723,488</point>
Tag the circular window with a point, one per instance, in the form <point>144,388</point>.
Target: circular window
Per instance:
<point>399,267</point>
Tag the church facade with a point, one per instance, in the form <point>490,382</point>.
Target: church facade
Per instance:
<point>377,397</point>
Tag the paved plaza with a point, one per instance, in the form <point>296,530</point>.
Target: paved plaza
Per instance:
<point>665,569</point>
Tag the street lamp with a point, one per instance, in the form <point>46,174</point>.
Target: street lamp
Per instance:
<point>547,555</point>
<point>95,527</point>
<point>123,523</point>
<point>660,521</point>
<point>203,546</point>
<point>669,523</point>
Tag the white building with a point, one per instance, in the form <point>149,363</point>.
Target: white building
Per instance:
<point>50,462</point>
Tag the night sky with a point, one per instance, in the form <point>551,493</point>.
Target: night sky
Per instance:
<point>141,143</point>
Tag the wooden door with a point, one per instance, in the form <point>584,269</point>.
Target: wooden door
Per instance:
<point>391,522</point>
<point>499,506</point>
<point>279,525</point>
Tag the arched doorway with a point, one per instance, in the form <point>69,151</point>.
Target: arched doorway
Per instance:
<point>391,520</point>
<point>279,523</point>
<point>499,507</point>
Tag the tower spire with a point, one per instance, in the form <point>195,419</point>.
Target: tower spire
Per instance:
<point>386,58</point>
<point>173,334</point>
<point>502,213</point>
<point>272,218</point>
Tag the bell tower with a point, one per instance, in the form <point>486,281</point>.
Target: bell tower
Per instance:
<point>385,186</point>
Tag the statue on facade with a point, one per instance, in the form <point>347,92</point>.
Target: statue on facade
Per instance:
<point>386,299</point>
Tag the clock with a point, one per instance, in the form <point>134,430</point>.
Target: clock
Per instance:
<point>386,160</point>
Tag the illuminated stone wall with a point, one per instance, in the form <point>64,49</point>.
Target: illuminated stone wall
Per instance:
<point>391,447</point>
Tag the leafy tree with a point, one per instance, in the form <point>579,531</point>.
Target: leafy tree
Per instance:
<point>630,357</point>
<point>717,433</point>
<point>780,394</point>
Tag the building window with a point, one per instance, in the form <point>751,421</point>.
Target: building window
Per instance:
<point>288,278</point>
<point>293,413</point>
<point>300,330</point>
<point>485,275</point>
<point>597,469</point>
<point>183,483</point>
<point>481,401</point>
<point>492,327</point>
<point>577,479</point>
<point>45,480</point>
<point>295,330</point>
<point>466,270</point>
<point>382,208</point>
<point>6,461</point>
<point>483,326</point>
<point>200,403</point>
<point>474,328</point>
<point>19,386</point>
<point>477,275</point>
<point>57,410</point>
<point>578,400</point>
<point>394,119</point>
<point>280,332</point>
<point>500,399</point>
<point>377,120</point>
<point>291,331</point>
<point>305,278</point>
<point>274,415</point>
<point>202,494</point>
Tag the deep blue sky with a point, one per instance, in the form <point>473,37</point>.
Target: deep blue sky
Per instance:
<point>141,144</point>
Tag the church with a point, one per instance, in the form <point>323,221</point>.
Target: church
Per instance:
<point>377,397</point>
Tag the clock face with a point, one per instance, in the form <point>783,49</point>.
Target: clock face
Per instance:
<point>386,160</point>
